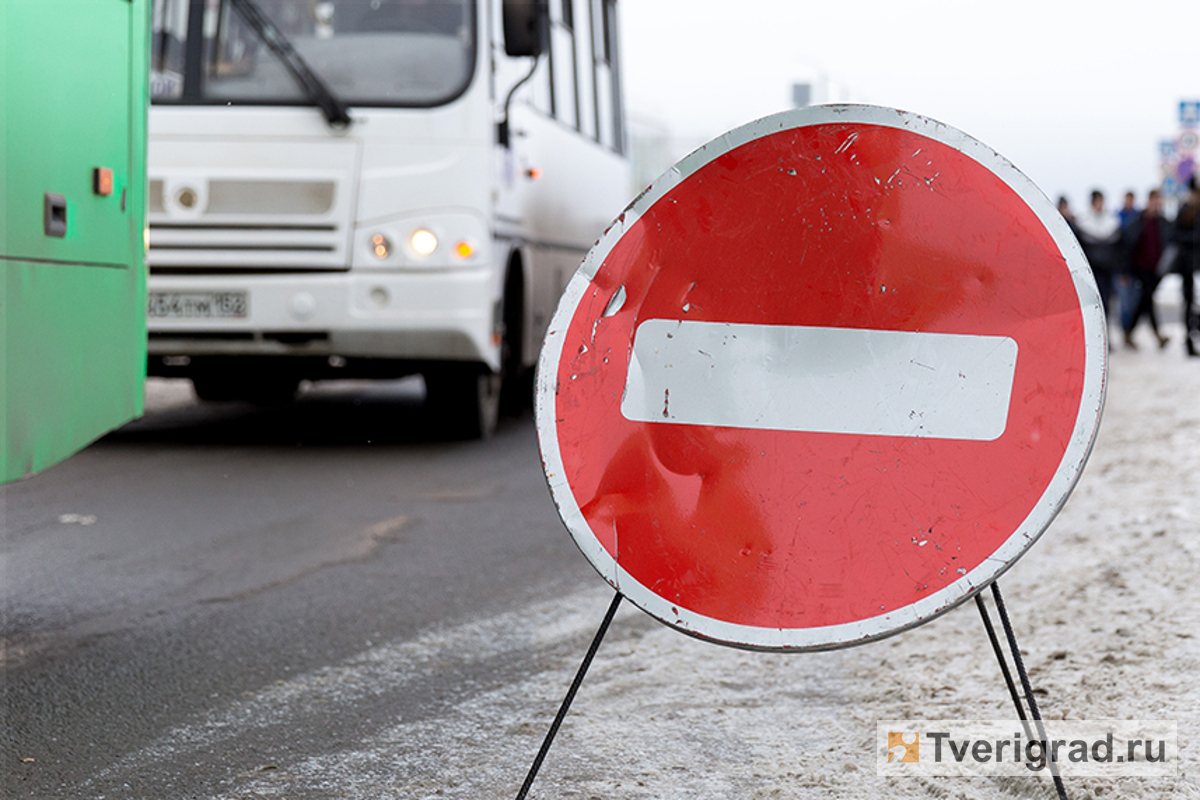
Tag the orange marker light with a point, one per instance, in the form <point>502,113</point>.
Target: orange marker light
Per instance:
<point>102,181</point>
<point>464,249</point>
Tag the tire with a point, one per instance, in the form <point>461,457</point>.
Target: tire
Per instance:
<point>516,387</point>
<point>516,394</point>
<point>464,400</point>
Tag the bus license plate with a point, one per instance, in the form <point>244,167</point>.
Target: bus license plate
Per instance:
<point>197,305</point>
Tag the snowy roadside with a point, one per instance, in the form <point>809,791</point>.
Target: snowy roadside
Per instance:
<point>1106,605</point>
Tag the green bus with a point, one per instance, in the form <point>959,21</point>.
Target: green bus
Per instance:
<point>73,78</point>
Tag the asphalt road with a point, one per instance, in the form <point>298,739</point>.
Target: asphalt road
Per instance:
<point>325,602</point>
<point>207,553</point>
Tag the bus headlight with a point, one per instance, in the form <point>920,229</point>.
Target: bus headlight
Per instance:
<point>423,242</point>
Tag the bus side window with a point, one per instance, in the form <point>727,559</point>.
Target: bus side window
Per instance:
<point>541,85</point>
<point>607,88</point>
<point>584,69</point>
<point>562,63</point>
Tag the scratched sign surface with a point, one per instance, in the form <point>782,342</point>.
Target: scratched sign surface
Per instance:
<point>826,378</point>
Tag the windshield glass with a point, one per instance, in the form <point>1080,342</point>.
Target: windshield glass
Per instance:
<point>368,52</point>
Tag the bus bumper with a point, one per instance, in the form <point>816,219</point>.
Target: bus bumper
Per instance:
<point>432,316</point>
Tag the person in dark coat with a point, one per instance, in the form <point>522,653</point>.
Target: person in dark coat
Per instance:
<point>1186,236</point>
<point>1099,233</point>
<point>1129,211</point>
<point>1145,240</point>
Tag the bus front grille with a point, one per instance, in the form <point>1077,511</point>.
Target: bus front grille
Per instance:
<point>230,225</point>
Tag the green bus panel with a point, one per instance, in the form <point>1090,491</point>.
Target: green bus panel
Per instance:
<point>73,79</point>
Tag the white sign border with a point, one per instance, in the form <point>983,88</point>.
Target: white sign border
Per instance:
<point>828,637</point>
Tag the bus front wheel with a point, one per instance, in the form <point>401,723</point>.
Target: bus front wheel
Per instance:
<point>464,399</point>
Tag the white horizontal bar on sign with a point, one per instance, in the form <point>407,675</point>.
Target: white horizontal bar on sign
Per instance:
<point>824,380</point>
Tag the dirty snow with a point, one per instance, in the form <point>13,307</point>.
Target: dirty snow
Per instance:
<point>1106,606</point>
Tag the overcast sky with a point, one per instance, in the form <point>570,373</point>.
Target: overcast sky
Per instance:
<point>1076,95</point>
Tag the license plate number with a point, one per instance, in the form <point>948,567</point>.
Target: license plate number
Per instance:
<point>197,305</point>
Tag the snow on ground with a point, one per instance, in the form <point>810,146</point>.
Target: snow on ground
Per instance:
<point>1106,606</point>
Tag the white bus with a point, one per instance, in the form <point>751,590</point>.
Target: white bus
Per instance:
<point>375,188</point>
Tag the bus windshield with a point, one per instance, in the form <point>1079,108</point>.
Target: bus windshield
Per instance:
<point>368,52</point>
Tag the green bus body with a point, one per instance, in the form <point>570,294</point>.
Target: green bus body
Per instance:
<point>73,78</point>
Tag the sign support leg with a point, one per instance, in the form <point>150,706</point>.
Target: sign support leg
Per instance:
<point>566,703</point>
<point>1020,664</point>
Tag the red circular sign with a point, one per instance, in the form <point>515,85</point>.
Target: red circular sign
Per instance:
<point>822,381</point>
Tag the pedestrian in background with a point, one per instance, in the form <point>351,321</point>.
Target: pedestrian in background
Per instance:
<point>1064,208</point>
<point>1126,286</point>
<point>1186,237</point>
<point>1129,211</point>
<point>1145,240</point>
<point>1099,231</point>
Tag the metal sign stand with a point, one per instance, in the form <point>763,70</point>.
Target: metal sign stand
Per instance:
<point>1025,718</point>
<point>566,703</point>
<point>1008,679</point>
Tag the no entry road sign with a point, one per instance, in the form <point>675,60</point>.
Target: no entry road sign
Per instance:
<point>826,378</point>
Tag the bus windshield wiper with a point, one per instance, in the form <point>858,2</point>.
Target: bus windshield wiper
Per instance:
<point>314,88</point>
